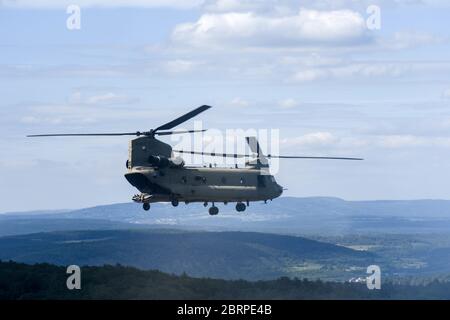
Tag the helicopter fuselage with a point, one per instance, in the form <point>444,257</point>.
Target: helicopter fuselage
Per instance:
<point>204,184</point>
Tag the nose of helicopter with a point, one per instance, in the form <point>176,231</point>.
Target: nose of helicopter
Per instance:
<point>279,190</point>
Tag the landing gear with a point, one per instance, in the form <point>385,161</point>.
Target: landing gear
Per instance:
<point>175,202</point>
<point>240,207</point>
<point>146,206</point>
<point>213,210</point>
<point>205,204</point>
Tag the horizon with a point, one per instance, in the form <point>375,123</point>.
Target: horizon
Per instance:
<point>65,210</point>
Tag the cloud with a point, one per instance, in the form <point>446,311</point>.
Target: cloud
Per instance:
<point>239,102</point>
<point>288,103</point>
<point>235,5</point>
<point>292,5</point>
<point>38,120</point>
<point>221,5</point>
<point>311,139</point>
<point>77,98</point>
<point>179,66</point>
<point>412,39</point>
<point>55,4</point>
<point>446,94</point>
<point>397,141</point>
<point>404,141</point>
<point>369,70</point>
<point>110,98</point>
<point>317,140</point>
<point>307,27</point>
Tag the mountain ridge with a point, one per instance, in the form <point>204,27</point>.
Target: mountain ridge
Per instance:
<point>312,215</point>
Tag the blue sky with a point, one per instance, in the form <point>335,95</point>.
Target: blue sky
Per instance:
<point>311,69</point>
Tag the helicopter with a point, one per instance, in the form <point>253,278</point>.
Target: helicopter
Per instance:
<point>160,176</point>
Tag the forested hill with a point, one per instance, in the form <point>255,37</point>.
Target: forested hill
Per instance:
<point>45,281</point>
<point>226,255</point>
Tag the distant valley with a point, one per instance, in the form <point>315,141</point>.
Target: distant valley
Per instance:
<point>228,255</point>
<point>325,238</point>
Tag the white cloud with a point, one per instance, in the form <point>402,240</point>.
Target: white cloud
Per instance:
<point>239,102</point>
<point>311,139</point>
<point>411,39</point>
<point>233,5</point>
<point>398,141</point>
<point>288,103</point>
<point>308,75</point>
<point>291,5</point>
<point>223,5</point>
<point>446,94</point>
<point>40,120</point>
<point>179,66</point>
<point>404,141</point>
<point>328,140</point>
<point>52,4</point>
<point>369,70</point>
<point>308,27</point>
<point>109,98</point>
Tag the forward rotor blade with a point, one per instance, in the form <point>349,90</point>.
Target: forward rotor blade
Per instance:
<point>166,133</point>
<point>307,157</point>
<point>183,118</point>
<point>86,134</point>
<point>214,154</point>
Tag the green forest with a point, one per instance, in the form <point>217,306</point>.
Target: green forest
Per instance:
<point>45,281</point>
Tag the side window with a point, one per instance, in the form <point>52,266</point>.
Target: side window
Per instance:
<point>184,179</point>
<point>200,179</point>
<point>223,180</point>
<point>242,181</point>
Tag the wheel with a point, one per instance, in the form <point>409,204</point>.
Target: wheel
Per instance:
<point>240,207</point>
<point>175,202</point>
<point>146,206</point>
<point>213,211</point>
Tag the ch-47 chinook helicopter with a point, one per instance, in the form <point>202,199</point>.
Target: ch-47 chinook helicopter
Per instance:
<point>160,176</point>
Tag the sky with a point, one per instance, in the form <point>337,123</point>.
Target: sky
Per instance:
<point>323,75</point>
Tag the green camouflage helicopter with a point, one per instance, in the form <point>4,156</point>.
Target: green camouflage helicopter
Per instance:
<point>160,176</point>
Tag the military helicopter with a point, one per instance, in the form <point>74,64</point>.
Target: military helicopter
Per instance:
<point>160,176</point>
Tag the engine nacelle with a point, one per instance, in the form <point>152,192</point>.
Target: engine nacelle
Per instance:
<point>163,162</point>
<point>176,162</point>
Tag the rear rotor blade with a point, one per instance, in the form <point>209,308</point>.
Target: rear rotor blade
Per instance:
<point>234,155</point>
<point>183,118</point>
<point>307,157</point>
